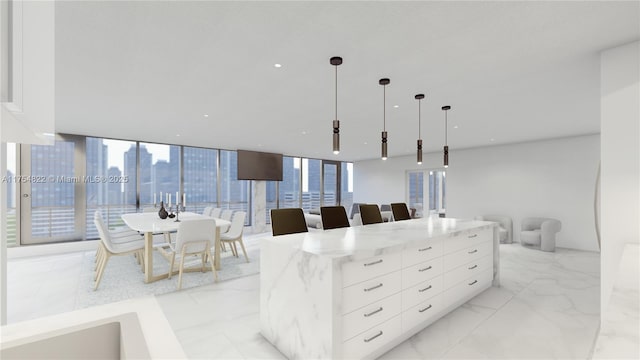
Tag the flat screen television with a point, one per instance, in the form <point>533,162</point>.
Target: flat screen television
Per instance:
<point>254,165</point>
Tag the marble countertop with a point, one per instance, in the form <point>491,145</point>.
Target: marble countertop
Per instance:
<point>372,239</point>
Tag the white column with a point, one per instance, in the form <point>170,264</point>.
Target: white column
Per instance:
<point>259,206</point>
<point>620,156</point>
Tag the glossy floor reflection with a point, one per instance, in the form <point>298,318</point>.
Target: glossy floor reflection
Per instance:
<point>547,307</point>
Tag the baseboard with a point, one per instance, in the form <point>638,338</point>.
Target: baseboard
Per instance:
<point>51,249</point>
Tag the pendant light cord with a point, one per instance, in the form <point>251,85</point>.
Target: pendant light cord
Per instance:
<point>336,118</point>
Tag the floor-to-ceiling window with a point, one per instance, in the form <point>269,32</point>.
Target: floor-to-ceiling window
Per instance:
<point>111,175</point>
<point>159,172</point>
<point>272,198</point>
<point>289,187</point>
<point>416,191</point>
<point>311,190</point>
<point>12,185</point>
<point>437,191</point>
<point>346,186</point>
<point>234,193</point>
<point>200,177</point>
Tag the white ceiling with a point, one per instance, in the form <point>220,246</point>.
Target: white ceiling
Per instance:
<point>512,71</point>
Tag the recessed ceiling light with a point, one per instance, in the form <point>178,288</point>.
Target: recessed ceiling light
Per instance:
<point>206,115</point>
<point>277,65</point>
<point>365,143</point>
<point>455,126</point>
<point>396,106</point>
<point>48,134</point>
<point>492,139</point>
<point>177,134</point>
<point>304,132</point>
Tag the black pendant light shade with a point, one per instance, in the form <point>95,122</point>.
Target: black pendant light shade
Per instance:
<point>335,61</point>
<point>384,82</point>
<point>419,97</point>
<point>446,148</point>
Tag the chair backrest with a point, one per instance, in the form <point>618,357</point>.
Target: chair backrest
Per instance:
<point>400,211</point>
<point>237,225</point>
<point>334,217</point>
<point>227,214</point>
<point>103,231</point>
<point>216,212</point>
<point>370,214</point>
<point>288,221</point>
<point>207,211</point>
<point>355,209</point>
<point>197,235</point>
<point>385,207</point>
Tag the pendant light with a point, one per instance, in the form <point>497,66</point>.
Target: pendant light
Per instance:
<point>335,61</point>
<point>419,97</point>
<point>384,82</point>
<point>446,148</point>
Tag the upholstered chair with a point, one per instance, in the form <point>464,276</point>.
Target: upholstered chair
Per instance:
<point>540,232</point>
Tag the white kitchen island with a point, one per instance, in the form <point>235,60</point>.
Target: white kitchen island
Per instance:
<point>358,292</point>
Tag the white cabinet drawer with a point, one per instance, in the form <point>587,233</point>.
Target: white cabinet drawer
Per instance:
<point>466,271</point>
<point>424,251</point>
<point>370,316</point>
<point>371,340</point>
<point>463,291</point>
<point>356,271</point>
<point>421,272</point>
<point>421,292</point>
<point>421,314</point>
<point>366,292</point>
<point>466,239</point>
<point>464,256</point>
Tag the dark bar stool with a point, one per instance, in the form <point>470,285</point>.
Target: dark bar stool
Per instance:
<point>288,221</point>
<point>370,214</point>
<point>334,217</point>
<point>400,211</point>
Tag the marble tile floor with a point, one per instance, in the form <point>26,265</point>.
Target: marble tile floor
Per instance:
<point>547,308</point>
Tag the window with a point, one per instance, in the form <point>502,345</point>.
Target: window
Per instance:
<point>416,189</point>
<point>200,177</point>
<point>289,188</point>
<point>272,198</point>
<point>159,172</point>
<point>437,191</point>
<point>106,161</point>
<point>12,184</point>
<point>346,185</point>
<point>311,171</point>
<point>234,193</point>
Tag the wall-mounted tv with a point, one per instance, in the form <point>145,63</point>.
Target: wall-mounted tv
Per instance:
<point>254,165</point>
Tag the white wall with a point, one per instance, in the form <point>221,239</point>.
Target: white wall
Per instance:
<point>620,129</point>
<point>551,178</point>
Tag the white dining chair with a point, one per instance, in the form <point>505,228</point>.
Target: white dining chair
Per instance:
<point>207,211</point>
<point>132,244</point>
<point>227,214</point>
<point>216,212</point>
<point>118,236</point>
<point>194,237</point>
<point>235,233</point>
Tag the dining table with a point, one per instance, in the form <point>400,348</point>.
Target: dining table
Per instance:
<point>150,223</point>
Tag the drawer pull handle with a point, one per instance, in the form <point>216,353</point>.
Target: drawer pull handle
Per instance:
<point>472,236</point>
<point>473,267</point>
<point>425,249</point>
<point>373,263</point>
<point>474,281</point>
<point>373,312</point>
<point>425,269</point>
<point>425,289</point>
<point>425,309</point>
<point>473,252</point>
<point>373,337</point>
<point>373,287</point>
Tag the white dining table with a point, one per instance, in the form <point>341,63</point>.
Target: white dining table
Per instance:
<point>149,223</point>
